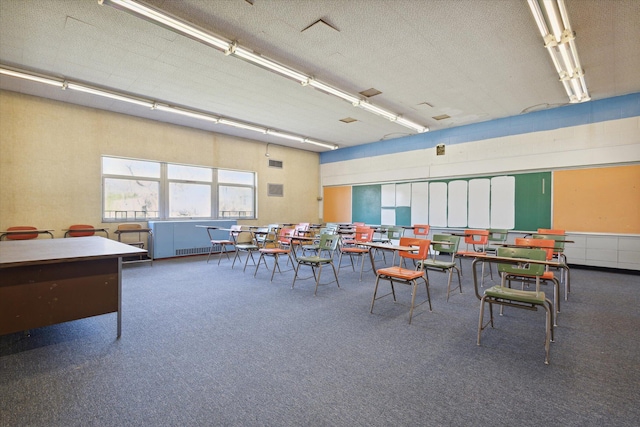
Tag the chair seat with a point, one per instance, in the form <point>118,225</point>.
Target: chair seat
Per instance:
<point>438,264</point>
<point>274,251</point>
<point>471,253</point>
<point>355,250</point>
<point>515,294</point>
<point>247,247</point>
<point>548,275</point>
<point>221,242</point>
<point>315,259</point>
<point>400,273</point>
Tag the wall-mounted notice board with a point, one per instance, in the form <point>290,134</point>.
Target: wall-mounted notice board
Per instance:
<point>520,202</point>
<point>605,200</point>
<point>337,204</point>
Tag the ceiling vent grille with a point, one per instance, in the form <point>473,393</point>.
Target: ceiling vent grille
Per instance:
<point>275,190</point>
<point>275,164</point>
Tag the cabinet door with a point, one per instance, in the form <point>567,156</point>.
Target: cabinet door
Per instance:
<point>533,201</point>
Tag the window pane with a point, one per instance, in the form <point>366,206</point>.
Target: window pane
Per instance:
<point>189,173</point>
<point>235,202</point>
<point>128,167</point>
<point>235,177</point>
<point>189,200</point>
<point>130,199</point>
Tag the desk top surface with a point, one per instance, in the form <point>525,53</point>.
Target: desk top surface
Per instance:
<point>508,260</point>
<point>43,251</point>
<point>388,247</point>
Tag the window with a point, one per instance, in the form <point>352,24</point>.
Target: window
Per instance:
<point>135,190</point>
<point>236,194</point>
<point>131,189</point>
<point>190,189</point>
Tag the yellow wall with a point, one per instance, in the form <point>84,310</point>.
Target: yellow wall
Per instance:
<point>50,162</point>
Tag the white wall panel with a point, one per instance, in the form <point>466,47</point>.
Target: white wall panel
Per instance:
<point>420,203</point>
<point>479,203</point>
<point>503,195</point>
<point>457,204</point>
<point>403,195</point>
<point>438,204</point>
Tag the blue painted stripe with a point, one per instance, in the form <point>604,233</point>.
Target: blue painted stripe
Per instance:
<point>619,107</point>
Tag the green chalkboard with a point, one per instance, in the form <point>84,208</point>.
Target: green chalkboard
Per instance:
<point>403,216</point>
<point>533,201</point>
<point>365,204</point>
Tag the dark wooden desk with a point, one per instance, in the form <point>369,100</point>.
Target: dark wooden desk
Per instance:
<point>45,282</point>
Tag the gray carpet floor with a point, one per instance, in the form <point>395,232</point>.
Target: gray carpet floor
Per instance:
<point>205,345</point>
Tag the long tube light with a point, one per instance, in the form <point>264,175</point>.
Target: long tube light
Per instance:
<point>32,77</point>
<point>230,48</point>
<point>64,84</point>
<point>172,23</point>
<point>187,113</point>
<point>108,94</point>
<point>250,56</point>
<point>559,40</point>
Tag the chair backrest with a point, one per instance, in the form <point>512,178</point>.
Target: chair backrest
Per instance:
<point>525,268</point>
<point>328,242</point>
<point>546,244</point>
<point>551,231</point>
<point>423,248</point>
<point>303,226</point>
<point>450,243</point>
<point>498,235</point>
<point>245,237</point>
<point>284,236</point>
<point>364,234</point>
<point>331,227</point>
<point>476,237</point>
<point>558,239</point>
<point>358,224</point>
<point>421,230</point>
<point>129,226</point>
<point>88,230</point>
<point>19,236</point>
<point>395,233</point>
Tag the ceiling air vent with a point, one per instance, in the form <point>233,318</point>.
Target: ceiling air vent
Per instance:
<point>441,117</point>
<point>275,190</point>
<point>370,92</point>
<point>275,164</point>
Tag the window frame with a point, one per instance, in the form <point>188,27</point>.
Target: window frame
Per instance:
<point>164,183</point>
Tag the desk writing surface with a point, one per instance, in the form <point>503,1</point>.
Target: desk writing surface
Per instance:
<point>22,252</point>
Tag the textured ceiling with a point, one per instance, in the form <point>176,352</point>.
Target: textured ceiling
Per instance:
<point>473,60</point>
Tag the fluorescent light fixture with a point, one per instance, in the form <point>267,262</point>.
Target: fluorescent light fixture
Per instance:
<point>233,49</point>
<point>408,123</point>
<point>248,55</point>
<point>333,91</point>
<point>170,22</point>
<point>320,144</point>
<point>64,84</point>
<point>111,95</point>
<point>559,39</point>
<point>31,77</point>
<point>183,112</point>
<point>377,110</point>
<point>285,135</point>
<point>242,125</point>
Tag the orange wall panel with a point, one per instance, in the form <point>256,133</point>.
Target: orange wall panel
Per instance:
<point>337,204</point>
<point>603,200</point>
